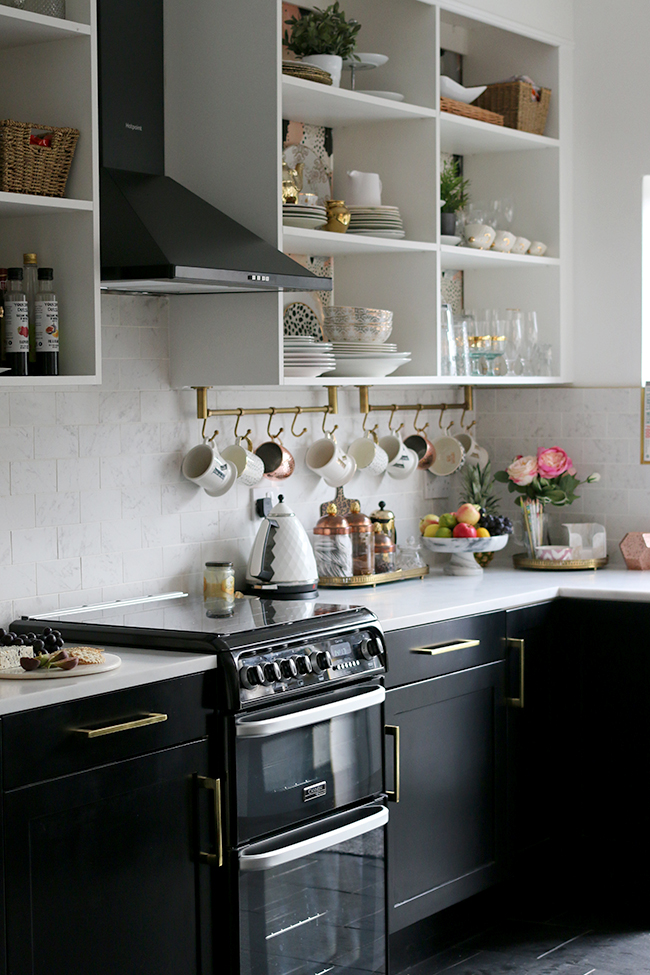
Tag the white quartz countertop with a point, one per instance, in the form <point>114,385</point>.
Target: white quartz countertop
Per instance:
<point>440,597</point>
<point>138,667</point>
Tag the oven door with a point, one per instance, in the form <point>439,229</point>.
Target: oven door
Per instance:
<point>300,761</point>
<point>313,900</point>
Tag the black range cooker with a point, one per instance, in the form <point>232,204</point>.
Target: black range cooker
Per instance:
<point>300,811</point>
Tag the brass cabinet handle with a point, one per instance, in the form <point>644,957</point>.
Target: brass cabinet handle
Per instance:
<point>446,647</point>
<point>214,786</point>
<point>393,731</point>
<point>515,644</point>
<point>112,729</point>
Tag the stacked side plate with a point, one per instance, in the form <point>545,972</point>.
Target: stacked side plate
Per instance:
<point>368,359</point>
<point>376,222</point>
<point>304,356</point>
<point>295,215</point>
<point>296,69</point>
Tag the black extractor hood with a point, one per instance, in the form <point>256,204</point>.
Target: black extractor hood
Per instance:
<point>157,237</point>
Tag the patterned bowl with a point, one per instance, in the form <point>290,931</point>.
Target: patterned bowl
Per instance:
<point>357,332</point>
<point>346,315</point>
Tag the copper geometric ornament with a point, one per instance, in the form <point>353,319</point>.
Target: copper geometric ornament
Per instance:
<point>636,550</point>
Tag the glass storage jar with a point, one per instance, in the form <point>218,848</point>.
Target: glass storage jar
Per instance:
<point>384,550</point>
<point>333,545</point>
<point>363,545</point>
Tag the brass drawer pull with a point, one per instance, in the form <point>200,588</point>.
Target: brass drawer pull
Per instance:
<point>214,785</point>
<point>393,731</point>
<point>112,729</point>
<point>446,647</point>
<point>515,644</point>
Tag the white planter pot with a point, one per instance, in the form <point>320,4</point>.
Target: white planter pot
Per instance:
<point>332,63</point>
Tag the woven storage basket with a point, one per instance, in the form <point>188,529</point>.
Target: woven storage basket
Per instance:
<point>516,102</point>
<point>37,170</point>
<point>469,111</point>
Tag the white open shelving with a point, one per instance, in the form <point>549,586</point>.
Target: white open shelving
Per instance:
<point>48,75</point>
<point>321,243</point>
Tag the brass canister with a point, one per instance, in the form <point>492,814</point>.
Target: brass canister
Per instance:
<point>363,545</point>
<point>384,550</point>
<point>384,516</point>
<point>333,545</point>
<point>338,216</point>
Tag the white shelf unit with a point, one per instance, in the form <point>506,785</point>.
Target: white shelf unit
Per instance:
<point>48,75</point>
<point>402,141</point>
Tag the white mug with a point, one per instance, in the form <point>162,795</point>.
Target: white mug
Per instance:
<point>503,241</point>
<point>250,467</point>
<point>520,245</point>
<point>205,467</point>
<point>402,461</point>
<point>326,459</point>
<point>537,248</point>
<point>479,235</point>
<point>309,200</point>
<point>450,456</point>
<point>474,454</point>
<point>363,189</point>
<point>369,456</point>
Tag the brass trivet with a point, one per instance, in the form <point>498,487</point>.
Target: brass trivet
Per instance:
<point>523,562</point>
<point>352,582</point>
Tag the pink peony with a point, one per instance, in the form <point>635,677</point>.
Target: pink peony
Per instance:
<point>553,461</point>
<point>523,470</point>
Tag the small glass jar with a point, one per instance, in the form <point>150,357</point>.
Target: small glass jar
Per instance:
<point>384,551</point>
<point>333,545</point>
<point>363,543</point>
<point>219,582</point>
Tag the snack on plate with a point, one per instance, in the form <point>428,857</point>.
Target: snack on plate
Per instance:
<point>10,656</point>
<point>87,655</point>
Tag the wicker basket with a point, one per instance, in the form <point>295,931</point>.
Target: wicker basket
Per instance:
<point>33,169</point>
<point>469,111</point>
<point>516,101</point>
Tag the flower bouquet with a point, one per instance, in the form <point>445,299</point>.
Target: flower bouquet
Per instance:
<point>548,478</point>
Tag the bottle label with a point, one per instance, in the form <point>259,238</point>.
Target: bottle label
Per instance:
<point>16,326</point>
<point>47,326</point>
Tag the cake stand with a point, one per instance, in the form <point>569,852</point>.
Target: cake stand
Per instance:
<point>462,562</point>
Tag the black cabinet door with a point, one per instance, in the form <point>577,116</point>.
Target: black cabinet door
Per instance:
<point>102,869</point>
<point>542,694</point>
<point>446,832</point>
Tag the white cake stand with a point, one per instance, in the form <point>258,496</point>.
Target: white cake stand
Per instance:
<point>462,562</point>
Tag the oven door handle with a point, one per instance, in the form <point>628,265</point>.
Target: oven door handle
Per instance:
<point>265,727</point>
<point>274,858</point>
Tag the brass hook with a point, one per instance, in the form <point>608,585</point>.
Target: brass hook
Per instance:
<point>328,433</point>
<point>203,436</point>
<point>442,413</point>
<point>390,421</point>
<point>272,436</point>
<point>448,428</point>
<point>472,424</point>
<point>293,423</point>
<point>244,436</point>
<point>415,420</point>
<point>373,430</point>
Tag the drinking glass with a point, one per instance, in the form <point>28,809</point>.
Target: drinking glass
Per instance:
<point>462,326</point>
<point>447,341</point>
<point>513,330</point>
<point>530,343</point>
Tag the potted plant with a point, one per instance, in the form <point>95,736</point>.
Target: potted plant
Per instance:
<point>324,38</point>
<point>453,194</point>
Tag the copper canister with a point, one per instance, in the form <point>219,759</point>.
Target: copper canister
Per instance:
<point>385,517</point>
<point>384,550</point>
<point>333,545</point>
<point>363,545</point>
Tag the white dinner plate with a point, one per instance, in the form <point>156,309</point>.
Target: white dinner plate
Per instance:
<point>81,670</point>
<point>306,371</point>
<point>393,96</point>
<point>450,239</point>
<point>366,368</point>
<point>308,223</point>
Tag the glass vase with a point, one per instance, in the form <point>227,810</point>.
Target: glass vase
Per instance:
<point>534,526</point>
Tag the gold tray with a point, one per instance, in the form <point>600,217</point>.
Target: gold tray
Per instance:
<point>352,582</point>
<point>523,562</point>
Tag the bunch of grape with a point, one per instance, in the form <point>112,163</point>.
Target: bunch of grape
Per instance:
<point>48,649</point>
<point>495,524</point>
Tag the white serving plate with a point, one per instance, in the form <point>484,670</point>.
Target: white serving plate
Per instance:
<point>306,371</point>
<point>370,368</point>
<point>450,240</point>
<point>308,223</point>
<point>451,89</point>
<point>81,670</point>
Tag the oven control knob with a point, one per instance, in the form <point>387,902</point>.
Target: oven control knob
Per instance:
<point>252,676</point>
<point>303,663</point>
<point>369,648</point>
<point>272,672</point>
<point>288,668</point>
<point>321,660</point>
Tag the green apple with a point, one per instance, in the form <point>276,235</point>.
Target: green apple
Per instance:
<point>448,520</point>
<point>442,532</point>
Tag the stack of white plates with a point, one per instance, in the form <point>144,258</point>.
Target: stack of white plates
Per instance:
<point>304,356</point>
<point>368,358</point>
<point>296,215</point>
<point>376,221</point>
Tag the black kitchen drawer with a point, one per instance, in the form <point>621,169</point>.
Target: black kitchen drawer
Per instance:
<point>49,742</point>
<point>450,643</point>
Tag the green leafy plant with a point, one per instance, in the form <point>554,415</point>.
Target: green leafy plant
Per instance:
<point>322,32</point>
<point>453,188</point>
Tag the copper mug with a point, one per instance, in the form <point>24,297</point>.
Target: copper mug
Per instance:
<point>278,462</point>
<point>423,448</point>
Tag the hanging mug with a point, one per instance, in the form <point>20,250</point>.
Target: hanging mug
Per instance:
<point>402,461</point>
<point>369,456</point>
<point>250,467</point>
<point>326,459</point>
<point>205,467</point>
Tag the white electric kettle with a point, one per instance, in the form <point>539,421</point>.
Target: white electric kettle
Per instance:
<point>282,563</point>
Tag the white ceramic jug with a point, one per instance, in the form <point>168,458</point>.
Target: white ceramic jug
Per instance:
<point>363,189</point>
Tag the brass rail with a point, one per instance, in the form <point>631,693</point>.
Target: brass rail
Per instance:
<point>365,406</point>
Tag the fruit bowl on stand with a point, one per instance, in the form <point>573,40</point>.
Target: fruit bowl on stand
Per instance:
<point>462,562</point>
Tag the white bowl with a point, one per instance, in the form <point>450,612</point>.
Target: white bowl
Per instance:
<point>375,334</point>
<point>349,315</point>
<point>451,89</point>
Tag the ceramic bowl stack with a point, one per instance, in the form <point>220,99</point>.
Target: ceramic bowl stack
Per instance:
<point>305,356</point>
<point>376,222</point>
<point>358,337</point>
<point>309,218</point>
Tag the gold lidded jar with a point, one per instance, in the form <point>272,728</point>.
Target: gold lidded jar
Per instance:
<point>333,545</point>
<point>384,516</point>
<point>363,543</point>
<point>338,216</point>
<point>384,550</point>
